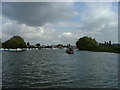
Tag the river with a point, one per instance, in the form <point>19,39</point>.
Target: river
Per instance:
<point>54,68</point>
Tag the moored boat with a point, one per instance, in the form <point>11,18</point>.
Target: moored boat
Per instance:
<point>1,49</point>
<point>16,50</point>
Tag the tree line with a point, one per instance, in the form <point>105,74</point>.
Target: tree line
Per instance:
<point>90,44</point>
<point>84,43</point>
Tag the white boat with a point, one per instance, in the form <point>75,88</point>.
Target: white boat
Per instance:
<point>5,49</point>
<point>70,51</point>
<point>19,49</point>
<point>16,50</point>
<point>54,48</point>
<point>1,49</point>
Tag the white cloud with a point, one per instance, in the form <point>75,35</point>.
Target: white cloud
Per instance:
<point>30,33</point>
<point>98,20</point>
<point>69,37</point>
<point>65,34</point>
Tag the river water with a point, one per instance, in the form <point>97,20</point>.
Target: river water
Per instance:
<point>55,68</point>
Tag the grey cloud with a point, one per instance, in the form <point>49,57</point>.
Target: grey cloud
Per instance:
<point>34,15</point>
<point>101,18</point>
<point>37,13</point>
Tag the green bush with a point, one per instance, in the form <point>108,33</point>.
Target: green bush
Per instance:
<point>86,43</point>
<point>14,42</point>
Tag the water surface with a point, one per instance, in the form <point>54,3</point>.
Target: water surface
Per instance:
<point>55,68</point>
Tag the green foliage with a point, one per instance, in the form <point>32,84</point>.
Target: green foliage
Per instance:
<point>108,48</point>
<point>14,42</point>
<point>86,43</point>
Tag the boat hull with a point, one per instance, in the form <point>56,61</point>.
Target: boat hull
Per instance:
<point>69,51</point>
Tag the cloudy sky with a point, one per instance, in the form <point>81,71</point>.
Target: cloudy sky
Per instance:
<point>60,22</point>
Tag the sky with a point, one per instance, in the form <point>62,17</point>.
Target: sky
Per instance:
<point>60,22</point>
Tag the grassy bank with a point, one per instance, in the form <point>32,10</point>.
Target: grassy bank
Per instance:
<point>90,44</point>
<point>107,48</point>
<point>104,48</point>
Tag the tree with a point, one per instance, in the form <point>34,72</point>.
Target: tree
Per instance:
<point>38,44</point>
<point>14,42</point>
<point>110,43</point>
<point>28,44</point>
<point>86,43</point>
<point>105,42</point>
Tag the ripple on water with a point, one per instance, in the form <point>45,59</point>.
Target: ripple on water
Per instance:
<point>55,68</point>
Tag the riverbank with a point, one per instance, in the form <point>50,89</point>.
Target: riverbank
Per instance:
<point>90,44</point>
<point>26,49</point>
<point>105,48</point>
<point>100,48</point>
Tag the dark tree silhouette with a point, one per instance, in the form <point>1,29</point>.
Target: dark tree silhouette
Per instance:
<point>86,43</point>
<point>38,44</point>
<point>14,42</point>
<point>28,44</point>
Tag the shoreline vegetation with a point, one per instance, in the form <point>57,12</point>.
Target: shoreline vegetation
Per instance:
<point>90,44</point>
<point>84,43</point>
